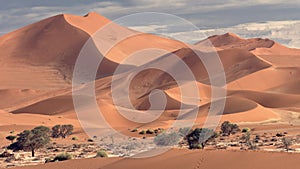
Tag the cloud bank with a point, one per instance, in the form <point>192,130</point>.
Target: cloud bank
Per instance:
<point>276,19</point>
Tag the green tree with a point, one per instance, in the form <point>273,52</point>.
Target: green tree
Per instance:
<point>56,131</point>
<point>228,128</point>
<point>199,137</point>
<point>30,140</point>
<point>286,143</point>
<point>62,130</point>
<point>66,130</point>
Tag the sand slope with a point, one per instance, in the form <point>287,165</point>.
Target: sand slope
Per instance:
<point>36,64</point>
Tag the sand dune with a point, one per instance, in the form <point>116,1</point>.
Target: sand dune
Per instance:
<point>288,88</point>
<point>36,64</point>
<point>266,79</point>
<point>230,40</point>
<point>270,100</point>
<point>241,68</point>
<point>52,106</point>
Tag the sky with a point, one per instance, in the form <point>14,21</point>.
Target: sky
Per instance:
<point>275,19</point>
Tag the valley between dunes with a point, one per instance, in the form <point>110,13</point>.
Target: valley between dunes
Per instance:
<point>36,69</point>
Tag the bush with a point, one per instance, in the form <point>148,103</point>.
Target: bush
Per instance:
<point>199,137</point>
<point>90,140</point>
<point>74,138</point>
<point>101,154</point>
<point>184,131</point>
<point>245,130</point>
<point>246,137</point>
<point>63,157</point>
<point>48,160</point>
<point>286,143</point>
<point>134,130</point>
<point>142,132</point>
<point>228,128</point>
<point>167,139</point>
<point>149,131</point>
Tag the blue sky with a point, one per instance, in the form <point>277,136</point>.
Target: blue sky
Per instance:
<point>213,15</point>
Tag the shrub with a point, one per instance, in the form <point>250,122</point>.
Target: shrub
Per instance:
<point>199,137</point>
<point>134,130</point>
<point>245,130</point>
<point>48,160</point>
<point>228,128</point>
<point>252,145</point>
<point>286,143</point>
<point>142,132</point>
<point>149,131</point>
<point>280,135</point>
<point>90,140</point>
<point>246,137</point>
<point>184,131</point>
<point>63,157</point>
<point>167,139</point>
<point>101,154</point>
<point>74,138</point>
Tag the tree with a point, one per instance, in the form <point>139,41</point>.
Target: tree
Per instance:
<point>247,137</point>
<point>30,140</point>
<point>11,138</point>
<point>228,128</point>
<point>250,143</point>
<point>199,137</point>
<point>286,143</point>
<point>62,130</point>
<point>56,131</point>
<point>66,130</point>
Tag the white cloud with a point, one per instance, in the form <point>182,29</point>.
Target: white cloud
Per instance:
<point>205,14</point>
<point>212,13</point>
<point>150,28</point>
<point>284,32</point>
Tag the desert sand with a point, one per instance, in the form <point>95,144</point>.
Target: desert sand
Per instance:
<point>183,159</point>
<point>37,61</point>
